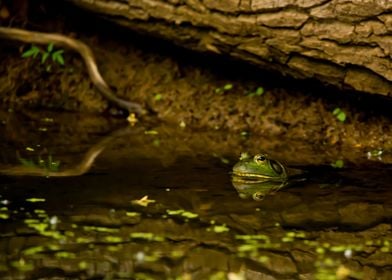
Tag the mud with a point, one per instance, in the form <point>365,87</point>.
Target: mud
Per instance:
<point>181,87</point>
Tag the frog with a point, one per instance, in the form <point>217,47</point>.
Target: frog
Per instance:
<point>259,168</point>
<point>258,176</point>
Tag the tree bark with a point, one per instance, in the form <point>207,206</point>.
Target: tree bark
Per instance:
<point>345,43</point>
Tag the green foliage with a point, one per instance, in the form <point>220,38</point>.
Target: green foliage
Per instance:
<point>55,55</point>
<point>224,89</point>
<point>338,164</point>
<point>258,92</point>
<point>49,164</point>
<point>339,114</point>
<point>158,97</point>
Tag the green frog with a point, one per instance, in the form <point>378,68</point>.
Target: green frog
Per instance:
<point>258,176</point>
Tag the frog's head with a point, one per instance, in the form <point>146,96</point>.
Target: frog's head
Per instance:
<point>259,168</point>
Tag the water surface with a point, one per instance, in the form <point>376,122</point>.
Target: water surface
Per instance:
<point>158,203</point>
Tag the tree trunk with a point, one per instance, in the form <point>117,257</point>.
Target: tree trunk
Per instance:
<point>346,43</point>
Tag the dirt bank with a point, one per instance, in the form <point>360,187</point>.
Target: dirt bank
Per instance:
<point>189,89</point>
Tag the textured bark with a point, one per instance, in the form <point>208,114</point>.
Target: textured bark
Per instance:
<point>346,43</point>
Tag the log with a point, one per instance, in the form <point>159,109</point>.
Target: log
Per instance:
<point>345,43</point>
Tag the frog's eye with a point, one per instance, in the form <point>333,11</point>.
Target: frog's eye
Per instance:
<point>276,166</point>
<point>258,196</point>
<point>259,158</point>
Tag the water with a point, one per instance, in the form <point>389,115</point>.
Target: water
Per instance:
<point>158,203</point>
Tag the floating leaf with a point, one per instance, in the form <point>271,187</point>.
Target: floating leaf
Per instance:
<point>35,199</point>
<point>151,132</point>
<point>220,228</point>
<point>144,201</point>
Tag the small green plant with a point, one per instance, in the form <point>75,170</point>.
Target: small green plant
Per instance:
<point>258,92</point>
<point>339,114</point>
<point>49,52</point>
<point>48,165</point>
<point>158,97</point>
<point>224,89</point>
<point>338,164</point>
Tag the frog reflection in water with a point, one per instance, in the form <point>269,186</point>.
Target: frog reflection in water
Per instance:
<point>258,176</point>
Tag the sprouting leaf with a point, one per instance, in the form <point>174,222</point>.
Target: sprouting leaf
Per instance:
<point>259,91</point>
<point>58,57</point>
<point>227,87</point>
<point>44,57</point>
<point>338,164</point>
<point>158,97</point>
<point>26,162</point>
<point>33,51</point>
<point>336,111</point>
<point>50,47</point>
<point>339,114</point>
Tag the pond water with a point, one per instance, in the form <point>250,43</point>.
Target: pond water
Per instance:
<point>158,203</point>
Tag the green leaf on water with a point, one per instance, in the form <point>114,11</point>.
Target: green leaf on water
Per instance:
<point>35,199</point>
<point>220,228</point>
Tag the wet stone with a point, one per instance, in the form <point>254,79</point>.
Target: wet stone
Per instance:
<point>296,216</point>
<point>250,222</point>
<point>257,275</point>
<point>379,259</point>
<point>279,264</point>
<point>206,258</point>
<point>282,200</point>
<point>97,220</point>
<point>16,244</point>
<point>324,216</point>
<point>304,260</point>
<point>361,214</point>
<point>369,273</point>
